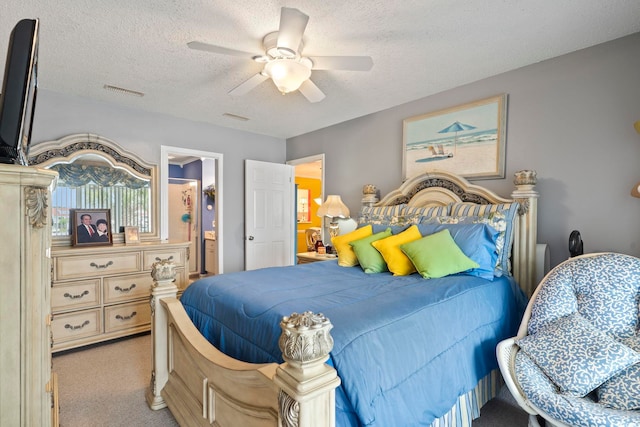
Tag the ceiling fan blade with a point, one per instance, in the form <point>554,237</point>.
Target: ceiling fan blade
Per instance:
<point>311,91</point>
<point>246,86</point>
<point>219,49</point>
<point>352,63</point>
<point>292,26</point>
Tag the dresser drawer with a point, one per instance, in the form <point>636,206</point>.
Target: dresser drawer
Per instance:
<point>74,295</point>
<point>95,265</point>
<point>125,288</point>
<point>71,326</point>
<point>126,316</point>
<point>152,256</point>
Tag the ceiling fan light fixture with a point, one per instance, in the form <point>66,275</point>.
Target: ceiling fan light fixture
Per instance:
<point>261,58</point>
<point>288,74</point>
<point>285,52</point>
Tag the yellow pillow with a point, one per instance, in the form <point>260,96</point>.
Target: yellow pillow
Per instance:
<point>397,262</point>
<point>346,255</point>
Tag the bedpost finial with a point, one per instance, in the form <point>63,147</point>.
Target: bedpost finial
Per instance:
<point>369,189</point>
<point>369,195</point>
<point>305,337</point>
<point>525,177</point>
<point>163,270</point>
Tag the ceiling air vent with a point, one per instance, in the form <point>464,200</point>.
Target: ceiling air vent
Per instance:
<point>236,117</point>
<point>123,91</point>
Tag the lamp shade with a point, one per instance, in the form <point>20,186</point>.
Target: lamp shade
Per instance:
<point>333,208</point>
<point>288,74</point>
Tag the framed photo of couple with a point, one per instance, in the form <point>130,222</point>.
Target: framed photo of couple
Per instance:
<point>91,227</point>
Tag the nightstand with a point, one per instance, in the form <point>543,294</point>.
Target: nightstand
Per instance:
<point>306,257</point>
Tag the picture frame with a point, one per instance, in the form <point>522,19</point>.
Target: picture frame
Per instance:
<point>131,235</point>
<point>91,227</point>
<point>468,140</point>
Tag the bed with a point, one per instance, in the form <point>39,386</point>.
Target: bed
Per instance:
<point>401,353</point>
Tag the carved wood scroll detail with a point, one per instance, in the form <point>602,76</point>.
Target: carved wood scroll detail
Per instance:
<point>524,180</point>
<point>36,205</point>
<point>305,337</point>
<point>163,270</point>
<point>440,183</point>
<point>289,410</point>
<point>93,146</point>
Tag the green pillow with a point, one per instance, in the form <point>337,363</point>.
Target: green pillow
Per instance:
<point>369,258</point>
<point>437,255</point>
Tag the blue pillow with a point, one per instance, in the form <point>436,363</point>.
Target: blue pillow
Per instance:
<point>477,241</point>
<point>502,217</point>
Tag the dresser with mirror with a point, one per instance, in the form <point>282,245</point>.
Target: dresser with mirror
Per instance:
<point>101,291</point>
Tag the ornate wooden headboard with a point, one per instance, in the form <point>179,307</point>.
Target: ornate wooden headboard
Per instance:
<point>441,188</point>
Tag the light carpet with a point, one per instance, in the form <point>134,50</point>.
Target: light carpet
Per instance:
<point>105,385</point>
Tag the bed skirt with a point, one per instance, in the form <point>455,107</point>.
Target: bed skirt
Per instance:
<point>467,408</point>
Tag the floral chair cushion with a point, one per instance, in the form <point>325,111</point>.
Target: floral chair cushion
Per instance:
<point>576,356</point>
<point>623,390</point>
<point>605,290</point>
<point>571,410</point>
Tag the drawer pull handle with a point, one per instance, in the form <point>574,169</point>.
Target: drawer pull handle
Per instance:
<point>126,317</point>
<point>73,328</point>
<point>68,295</point>
<point>98,266</point>
<point>168,259</point>
<point>118,288</point>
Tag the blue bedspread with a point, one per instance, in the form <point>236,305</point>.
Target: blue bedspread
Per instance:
<point>404,347</point>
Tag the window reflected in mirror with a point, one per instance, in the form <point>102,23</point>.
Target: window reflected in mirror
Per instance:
<point>96,173</point>
<point>90,182</point>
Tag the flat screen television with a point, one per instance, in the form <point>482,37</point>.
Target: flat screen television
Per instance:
<point>19,89</point>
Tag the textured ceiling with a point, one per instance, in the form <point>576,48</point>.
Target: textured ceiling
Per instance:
<point>418,48</point>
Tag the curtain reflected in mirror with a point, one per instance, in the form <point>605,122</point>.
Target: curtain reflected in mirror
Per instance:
<point>92,183</point>
<point>96,173</point>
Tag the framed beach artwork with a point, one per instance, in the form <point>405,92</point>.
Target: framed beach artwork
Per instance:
<point>468,140</point>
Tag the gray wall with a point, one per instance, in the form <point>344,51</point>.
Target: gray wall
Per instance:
<point>58,115</point>
<point>569,118</point>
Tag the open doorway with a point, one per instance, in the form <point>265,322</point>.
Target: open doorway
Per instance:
<point>196,210</point>
<point>309,178</point>
<point>185,219</point>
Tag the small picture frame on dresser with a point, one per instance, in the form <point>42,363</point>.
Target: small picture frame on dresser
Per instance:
<point>131,235</point>
<point>91,227</point>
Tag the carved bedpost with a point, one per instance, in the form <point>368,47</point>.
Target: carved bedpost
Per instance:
<point>164,275</point>
<point>527,227</point>
<point>369,195</point>
<point>307,385</point>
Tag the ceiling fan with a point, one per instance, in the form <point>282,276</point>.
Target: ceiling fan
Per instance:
<point>284,63</point>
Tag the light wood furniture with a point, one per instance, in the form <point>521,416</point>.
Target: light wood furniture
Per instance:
<point>102,292</point>
<point>26,381</point>
<point>201,385</point>
<point>89,150</point>
<point>306,257</point>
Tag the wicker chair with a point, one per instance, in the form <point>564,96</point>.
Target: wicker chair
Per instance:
<point>576,358</point>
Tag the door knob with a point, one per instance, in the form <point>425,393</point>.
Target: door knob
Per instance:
<point>250,237</point>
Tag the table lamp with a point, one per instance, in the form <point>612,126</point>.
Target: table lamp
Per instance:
<point>333,208</point>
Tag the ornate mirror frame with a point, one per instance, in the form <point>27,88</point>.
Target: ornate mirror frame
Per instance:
<point>73,147</point>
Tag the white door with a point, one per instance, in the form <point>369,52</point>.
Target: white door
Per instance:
<point>269,207</point>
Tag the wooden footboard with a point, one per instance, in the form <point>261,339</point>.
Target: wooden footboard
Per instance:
<point>202,386</point>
